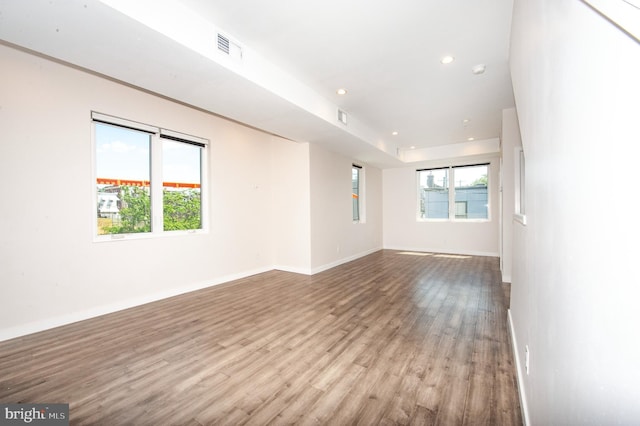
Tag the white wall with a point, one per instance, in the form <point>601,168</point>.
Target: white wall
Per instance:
<point>510,141</point>
<point>290,207</point>
<point>51,271</point>
<point>403,232</point>
<point>575,286</point>
<point>262,190</point>
<point>335,239</point>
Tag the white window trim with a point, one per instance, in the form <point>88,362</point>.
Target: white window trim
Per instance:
<point>624,13</point>
<point>156,176</point>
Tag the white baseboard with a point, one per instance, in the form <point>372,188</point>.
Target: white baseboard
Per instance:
<point>523,397</point>
<point>339,262</point>
<point>37,326</point>
<point>49,323</point>
<point>444,251</point>
<point>294,269</point>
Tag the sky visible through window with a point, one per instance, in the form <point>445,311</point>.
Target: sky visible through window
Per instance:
<point>180,162</point>
<point>124,154</point>
<point>464,176</point>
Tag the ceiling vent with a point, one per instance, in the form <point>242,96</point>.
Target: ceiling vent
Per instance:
<point>228,47</point>
<point>223,44</point>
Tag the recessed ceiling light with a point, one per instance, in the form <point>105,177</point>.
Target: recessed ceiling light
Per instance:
<point>341,91</point>
<point>479,69</point>
<point>394,133</point>
<point>447,59</point>
<point>465,122</point>
<point>471,139</point>
<point>413,147</point>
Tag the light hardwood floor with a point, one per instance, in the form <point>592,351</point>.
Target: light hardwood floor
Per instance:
<point>391,338</point>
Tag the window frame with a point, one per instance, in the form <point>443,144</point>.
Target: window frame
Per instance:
<point>361,194</point>
<point>157,136</point>
<point>453,204</point>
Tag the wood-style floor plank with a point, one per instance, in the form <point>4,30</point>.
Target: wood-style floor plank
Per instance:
<point>392,338</point>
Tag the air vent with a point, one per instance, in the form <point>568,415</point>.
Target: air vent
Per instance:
<point>223,44</point>
<point>229,47</point>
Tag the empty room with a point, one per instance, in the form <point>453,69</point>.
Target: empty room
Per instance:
<point>338,212</point>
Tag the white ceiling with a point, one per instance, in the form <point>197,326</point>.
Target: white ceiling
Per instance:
<point>295,55</point>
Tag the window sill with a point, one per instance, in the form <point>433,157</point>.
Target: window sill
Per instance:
<point>520,218</point>
<point>147,235</point>
<point>420,220</point>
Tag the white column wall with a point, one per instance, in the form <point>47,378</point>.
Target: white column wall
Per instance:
<point>290,207</point>
<point>575,292</point>
<point>335,239</point>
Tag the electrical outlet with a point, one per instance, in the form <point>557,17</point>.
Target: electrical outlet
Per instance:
<point>526,359</point>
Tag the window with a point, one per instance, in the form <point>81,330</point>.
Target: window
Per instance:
<point>434,193</point>
<point>520,208</point>
<point>467,198</point>
<point>355,193</point>
<point>181,183</point>
<point>471,189</point>
<point>148,180</point>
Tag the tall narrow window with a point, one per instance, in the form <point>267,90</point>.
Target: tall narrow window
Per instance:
<point>520,208</point>
<point>148,180</point>
<point>355,193</point>
<point>454,193</point>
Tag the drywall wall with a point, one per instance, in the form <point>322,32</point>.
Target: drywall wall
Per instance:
<point>260,202</point>
<point>51,270</point>
<point>335,238</point>
<point>510,142</point>
<point>575,292</point>
<point>290,207</point>
<point>402,230</point>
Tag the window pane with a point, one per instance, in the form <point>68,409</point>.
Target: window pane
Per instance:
<point>434,194</point>
<point>471,191</point>
<point>522,209</point>
<point>181,185</point>
<point>123,176</point>
<point>355,195</point>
